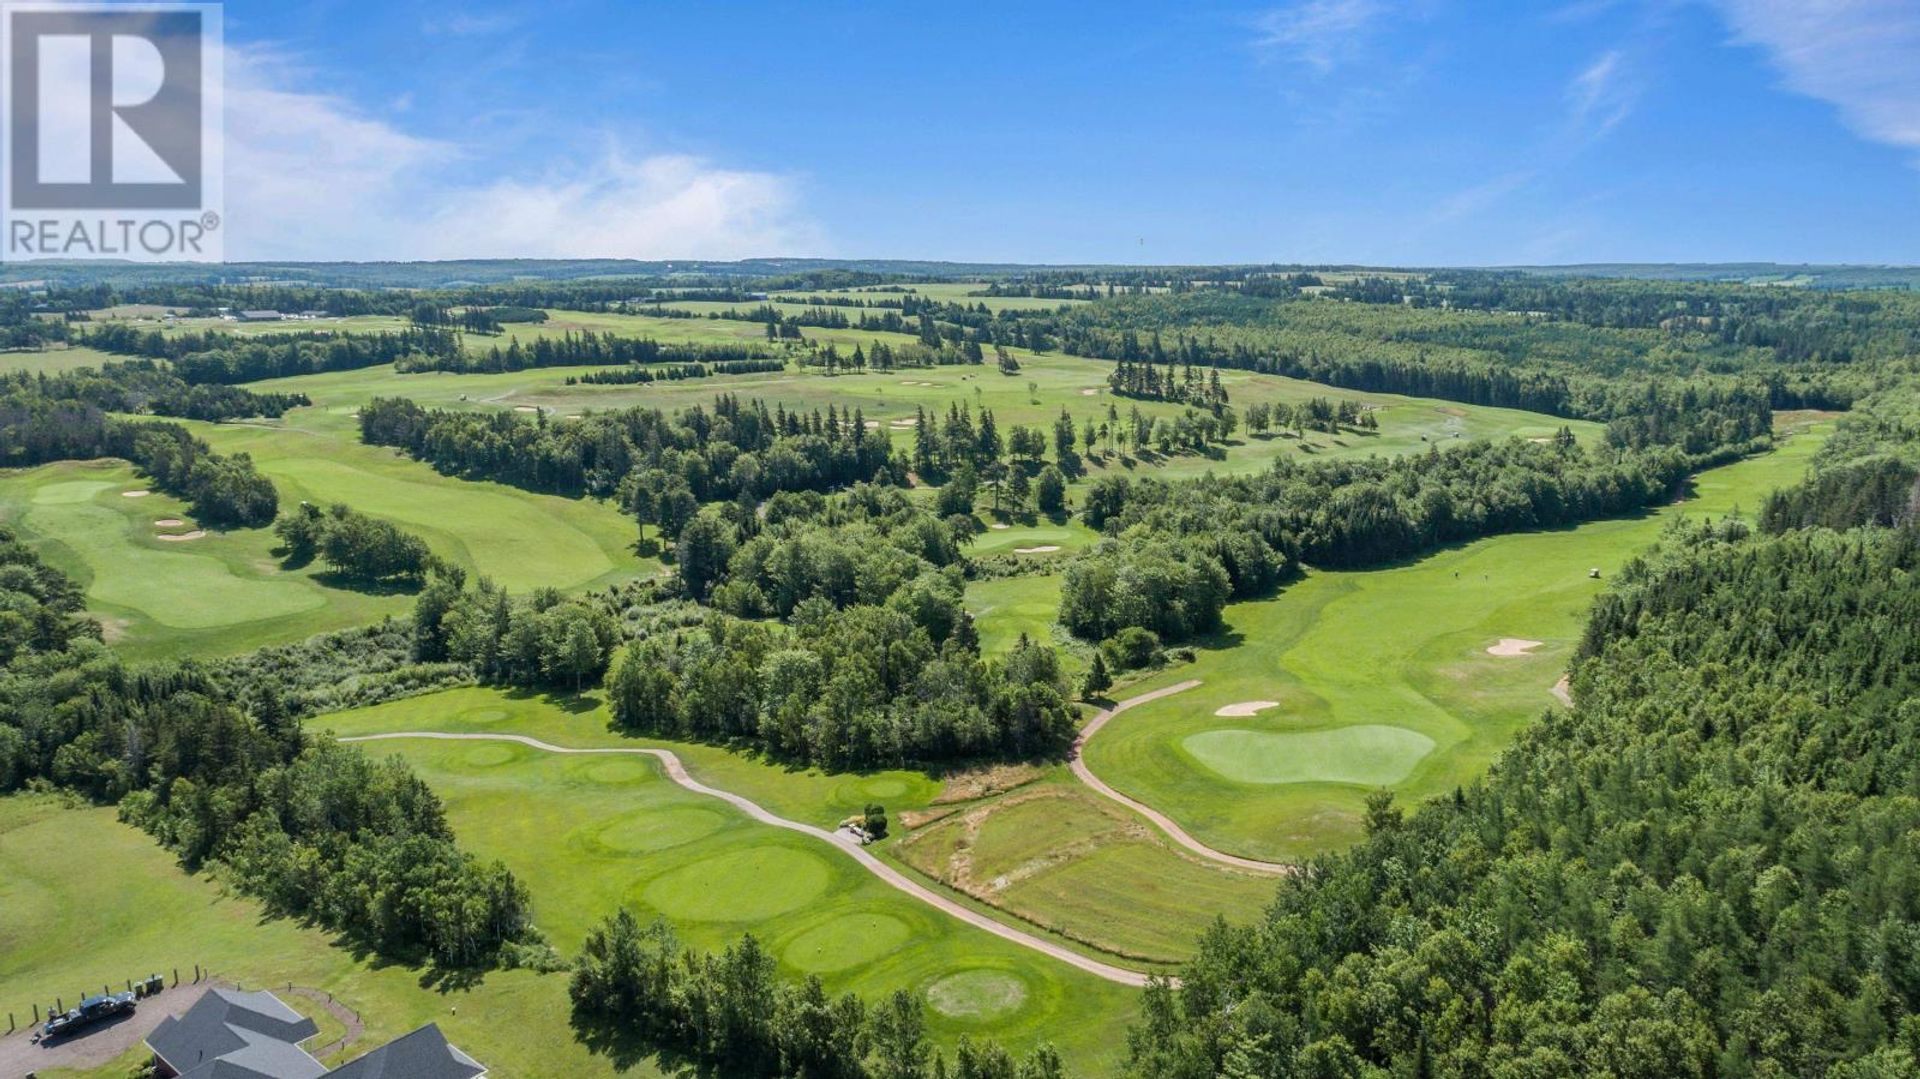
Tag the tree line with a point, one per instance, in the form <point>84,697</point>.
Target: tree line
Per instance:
<point>661,466</point>
<point>638,992</point>
<point>215,356</point>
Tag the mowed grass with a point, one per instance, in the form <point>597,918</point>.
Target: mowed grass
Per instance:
<point>520,539</point>
<point>223,592</point>
<point>1121,892</point>
<point>86,900</point>
<point>1046,385</point>
<point>52,361</point>
<point>589,834</point>
<point>1383,677</point>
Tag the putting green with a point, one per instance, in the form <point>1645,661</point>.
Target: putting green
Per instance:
<point>646,830</point>
<point>1368,754</point>
<point>176,586</point>
<point>846,942</point>
<point>747,885</point>
<point>978,995</point>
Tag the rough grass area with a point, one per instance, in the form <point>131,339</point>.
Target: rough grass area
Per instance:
<point>1403,647</point>
<point>1056,856</point>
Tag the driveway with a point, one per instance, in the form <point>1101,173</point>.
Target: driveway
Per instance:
<point>21,1055</point>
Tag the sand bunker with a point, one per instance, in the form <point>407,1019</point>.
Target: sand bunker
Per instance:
<point>999,527</point>
<point>1089,393</point>
<point>135,494</point>
<point>1247,708</point>
<point>1510,647</point>
<point>873,425</point>
<point>525,408</point>
<point>168,522</point>
<point>1563,689</point>
<point>181,537</point>
<point>1047,549</point>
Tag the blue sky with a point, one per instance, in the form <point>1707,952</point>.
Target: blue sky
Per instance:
<point>1378,131</point>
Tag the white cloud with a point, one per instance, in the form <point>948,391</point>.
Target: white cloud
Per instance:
<point>1602,94</point>
<point>311,177</point>
<point>472,24</point>
<point>1861,56</point>
<point>1321,34</point>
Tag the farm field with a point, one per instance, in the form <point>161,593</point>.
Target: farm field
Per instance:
<point>1384,677</point>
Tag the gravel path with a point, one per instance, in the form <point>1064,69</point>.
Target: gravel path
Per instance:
<point>21,1055</point>
<point>677,772</point>
<point>1160,820</point>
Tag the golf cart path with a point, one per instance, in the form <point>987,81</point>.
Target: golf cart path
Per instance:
<point>677,772</point>
<point>1160,820</point>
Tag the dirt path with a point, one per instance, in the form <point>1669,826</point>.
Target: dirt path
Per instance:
<point>99,1045</point>
<point>677,772</point>
<point>1160,820</point>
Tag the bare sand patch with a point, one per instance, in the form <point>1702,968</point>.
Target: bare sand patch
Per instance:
<point>181,537</point>
<point>168,522</point>
<point>1510,647</point>
<point>1247,708</point>
<point>1048,548</point>
<point>1563,689</point>
<point>135,494</point>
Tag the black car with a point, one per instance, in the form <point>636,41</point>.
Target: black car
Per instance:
<point>91,1010</point>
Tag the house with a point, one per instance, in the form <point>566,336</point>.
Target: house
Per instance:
<point>229,1034</point>
<point>262,316</point>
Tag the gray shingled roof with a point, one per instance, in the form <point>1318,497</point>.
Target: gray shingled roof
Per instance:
<point>229,1034</point>
<point>423,1054</point>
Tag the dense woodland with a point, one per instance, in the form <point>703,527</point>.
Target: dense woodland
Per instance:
<point>1704,868</point>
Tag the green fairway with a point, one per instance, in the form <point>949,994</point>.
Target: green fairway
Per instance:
<point>589,835</point>
<point>1045,385</point>
<point>1383,677</point>
<point>521,540</point>
<point>1112,887</point>
<point>52,361</point>
<point>220,592</point>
